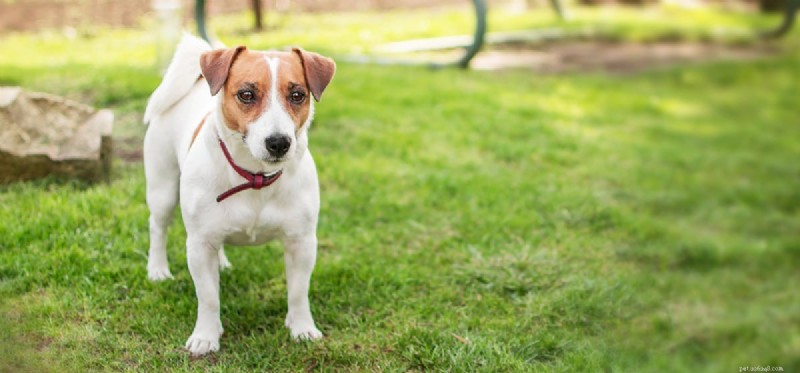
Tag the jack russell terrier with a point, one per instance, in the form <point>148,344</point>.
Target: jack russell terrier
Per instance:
<point>228,133</point>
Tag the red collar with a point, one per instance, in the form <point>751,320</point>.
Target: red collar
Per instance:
<point>254,181</point>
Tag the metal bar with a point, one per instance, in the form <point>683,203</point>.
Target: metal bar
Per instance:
<point>792,7</point>
<point>480,33</point>
<point>200,18</point>
<point>472,45</point>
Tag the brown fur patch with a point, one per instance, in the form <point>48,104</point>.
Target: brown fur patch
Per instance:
<point>197,130</point>
<point>249,71</point>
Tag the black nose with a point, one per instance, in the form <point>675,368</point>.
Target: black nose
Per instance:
<point>278,145</point>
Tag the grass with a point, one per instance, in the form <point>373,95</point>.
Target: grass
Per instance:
<point>471,221</point>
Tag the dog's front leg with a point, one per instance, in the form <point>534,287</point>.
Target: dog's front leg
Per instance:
<point>300,256</point>
<point>203,261</point>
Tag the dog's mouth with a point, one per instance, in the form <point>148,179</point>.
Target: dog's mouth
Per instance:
<point>273,160</point>
<point>272,174</point>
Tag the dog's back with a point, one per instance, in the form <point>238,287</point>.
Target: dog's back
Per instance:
<point>182,74</point>
<point>172,112</point>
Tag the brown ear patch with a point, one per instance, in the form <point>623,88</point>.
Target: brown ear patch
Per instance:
<point>216,64</point>
<point>318,71</point>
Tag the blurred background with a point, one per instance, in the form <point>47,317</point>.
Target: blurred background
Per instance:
<point>37,14</point>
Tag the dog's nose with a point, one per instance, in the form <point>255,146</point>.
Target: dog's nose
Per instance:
<point>278,145</point>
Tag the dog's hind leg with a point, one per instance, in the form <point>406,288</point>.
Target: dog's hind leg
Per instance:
<point>223,260</point>
<point>162,197</point>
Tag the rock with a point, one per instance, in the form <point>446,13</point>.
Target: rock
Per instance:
<point>43,134</point>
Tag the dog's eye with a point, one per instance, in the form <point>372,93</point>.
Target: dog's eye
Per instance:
<point>246,96</point>
<point>297,97</point>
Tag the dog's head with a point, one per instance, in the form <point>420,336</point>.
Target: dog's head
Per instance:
<point>267,96</point>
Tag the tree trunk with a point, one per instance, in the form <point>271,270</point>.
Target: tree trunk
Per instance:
<point>256,5</point>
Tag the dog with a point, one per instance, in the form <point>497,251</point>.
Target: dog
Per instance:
<point>228,133</point>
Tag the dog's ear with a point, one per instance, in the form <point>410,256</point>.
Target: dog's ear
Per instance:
<point>318,70</point>
<point>216,65</point>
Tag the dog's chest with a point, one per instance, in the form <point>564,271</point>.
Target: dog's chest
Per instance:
<point>255,223</point>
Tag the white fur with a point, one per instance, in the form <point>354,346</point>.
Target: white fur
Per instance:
<point>287,210</point>
<point>176,82</point>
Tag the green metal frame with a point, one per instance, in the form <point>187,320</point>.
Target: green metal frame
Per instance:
<point>792,6</point>
<point>478,36</point>
<point>200,19</point>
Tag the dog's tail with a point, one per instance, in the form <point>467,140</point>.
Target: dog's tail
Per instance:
<point>182,74</point>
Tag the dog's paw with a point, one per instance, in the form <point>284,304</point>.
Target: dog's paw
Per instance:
<point>158,273</point>
<point>308,333</point>
<point>303,331</point>
<point>199,345</point>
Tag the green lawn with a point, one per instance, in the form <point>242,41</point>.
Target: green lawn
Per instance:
<point>471,221</point>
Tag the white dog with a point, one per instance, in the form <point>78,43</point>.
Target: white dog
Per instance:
<point>228,132</point>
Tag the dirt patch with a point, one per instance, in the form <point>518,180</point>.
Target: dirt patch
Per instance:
<point>618,58</point>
